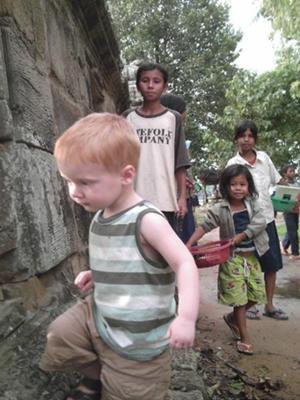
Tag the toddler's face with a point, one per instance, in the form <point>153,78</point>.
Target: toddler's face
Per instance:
<point>238,187</point>
<point>91,185</point>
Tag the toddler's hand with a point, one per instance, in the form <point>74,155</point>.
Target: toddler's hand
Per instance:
<point>181,333</point>
<point>84,281</point>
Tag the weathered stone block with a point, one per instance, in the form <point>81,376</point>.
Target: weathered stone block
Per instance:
<point>8,216</point>
<point>47,230</point>
<point>30,96</point>
<point>6,126</point>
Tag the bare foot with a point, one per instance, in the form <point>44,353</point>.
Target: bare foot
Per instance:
<point>294,257</point>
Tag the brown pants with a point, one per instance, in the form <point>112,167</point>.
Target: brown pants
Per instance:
<point>74,343</point>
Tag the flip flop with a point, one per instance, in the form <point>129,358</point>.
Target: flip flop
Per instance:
<point>277,313</point>
<point>234,329</point>
<point>252,313</point>
<point>244,348</point>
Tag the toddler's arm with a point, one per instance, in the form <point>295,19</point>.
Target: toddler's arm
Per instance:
<point>156,231</point>
<point>84,281</point>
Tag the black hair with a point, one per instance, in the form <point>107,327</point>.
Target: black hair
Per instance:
<point>174,102</point>
<point>242,126</point>
<point>286,167</point>
<point>148,66</point>
<point>231,172</point>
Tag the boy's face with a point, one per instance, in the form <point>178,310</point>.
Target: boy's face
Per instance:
<point>246,141</point>
<point>151,85</point>
<point>91,185</point>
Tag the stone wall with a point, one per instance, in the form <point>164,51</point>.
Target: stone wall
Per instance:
<point>59,60</point>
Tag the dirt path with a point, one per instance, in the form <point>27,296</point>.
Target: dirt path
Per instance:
<point>276,343</point>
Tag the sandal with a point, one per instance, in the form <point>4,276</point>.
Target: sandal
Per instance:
<point>244,348</point>
<point>234,329</point>
<point>277,313</point>
<point>252,313</point>
<point>91,384</point>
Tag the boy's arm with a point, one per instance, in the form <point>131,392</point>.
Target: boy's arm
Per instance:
<point>156,231</point>
<point>180,176</point>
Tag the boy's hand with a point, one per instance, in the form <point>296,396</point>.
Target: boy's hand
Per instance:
<point>181,333</point>
<point>84,281</point>
<point>182,207</point>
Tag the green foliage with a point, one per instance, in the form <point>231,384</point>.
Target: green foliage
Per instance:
<point>194,40</point>
<point>284,15</point>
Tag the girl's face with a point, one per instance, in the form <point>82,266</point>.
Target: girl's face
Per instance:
<point>152,85</point>
<point>246,141</point>
<point>238,187</point>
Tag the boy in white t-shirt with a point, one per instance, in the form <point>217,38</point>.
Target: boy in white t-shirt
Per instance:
<point>161,175</point>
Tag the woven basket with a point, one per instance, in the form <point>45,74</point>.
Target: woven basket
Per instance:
<point>212,253</point>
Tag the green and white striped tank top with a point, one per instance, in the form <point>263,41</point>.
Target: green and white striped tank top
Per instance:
<point>133,295</point>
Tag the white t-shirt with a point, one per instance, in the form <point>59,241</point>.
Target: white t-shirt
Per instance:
<point>163,151</point>
<point>265,176</point>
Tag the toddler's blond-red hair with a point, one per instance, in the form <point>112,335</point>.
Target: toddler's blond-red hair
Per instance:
<point>99,138</point>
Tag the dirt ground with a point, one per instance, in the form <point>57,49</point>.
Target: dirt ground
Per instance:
<point>272,373</point>
<point>276,362</point>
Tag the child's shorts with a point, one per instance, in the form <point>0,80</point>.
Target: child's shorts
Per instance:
<point>240,280</point>
<point>74,343</point>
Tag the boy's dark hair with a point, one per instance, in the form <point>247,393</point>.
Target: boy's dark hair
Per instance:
<point>231,172</point>
<point>286,167</point>
<point>242,126</point>
<point>148,66</point>
<point>174,102</point>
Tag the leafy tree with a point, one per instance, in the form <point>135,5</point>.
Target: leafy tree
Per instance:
<point>285,18</point>
<point>284,15</point>
<point>194,40</point>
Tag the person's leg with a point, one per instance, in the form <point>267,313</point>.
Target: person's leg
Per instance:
<point>134,380</point>
<point>243,346</point>
<point>270,309</point>
<point>285,243</point>
<point>240,320</point>
<point>270,284</point>
<point>271,262</point>
<point>292,223</point>
<point>70,347</point>
<point>232,323</point>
